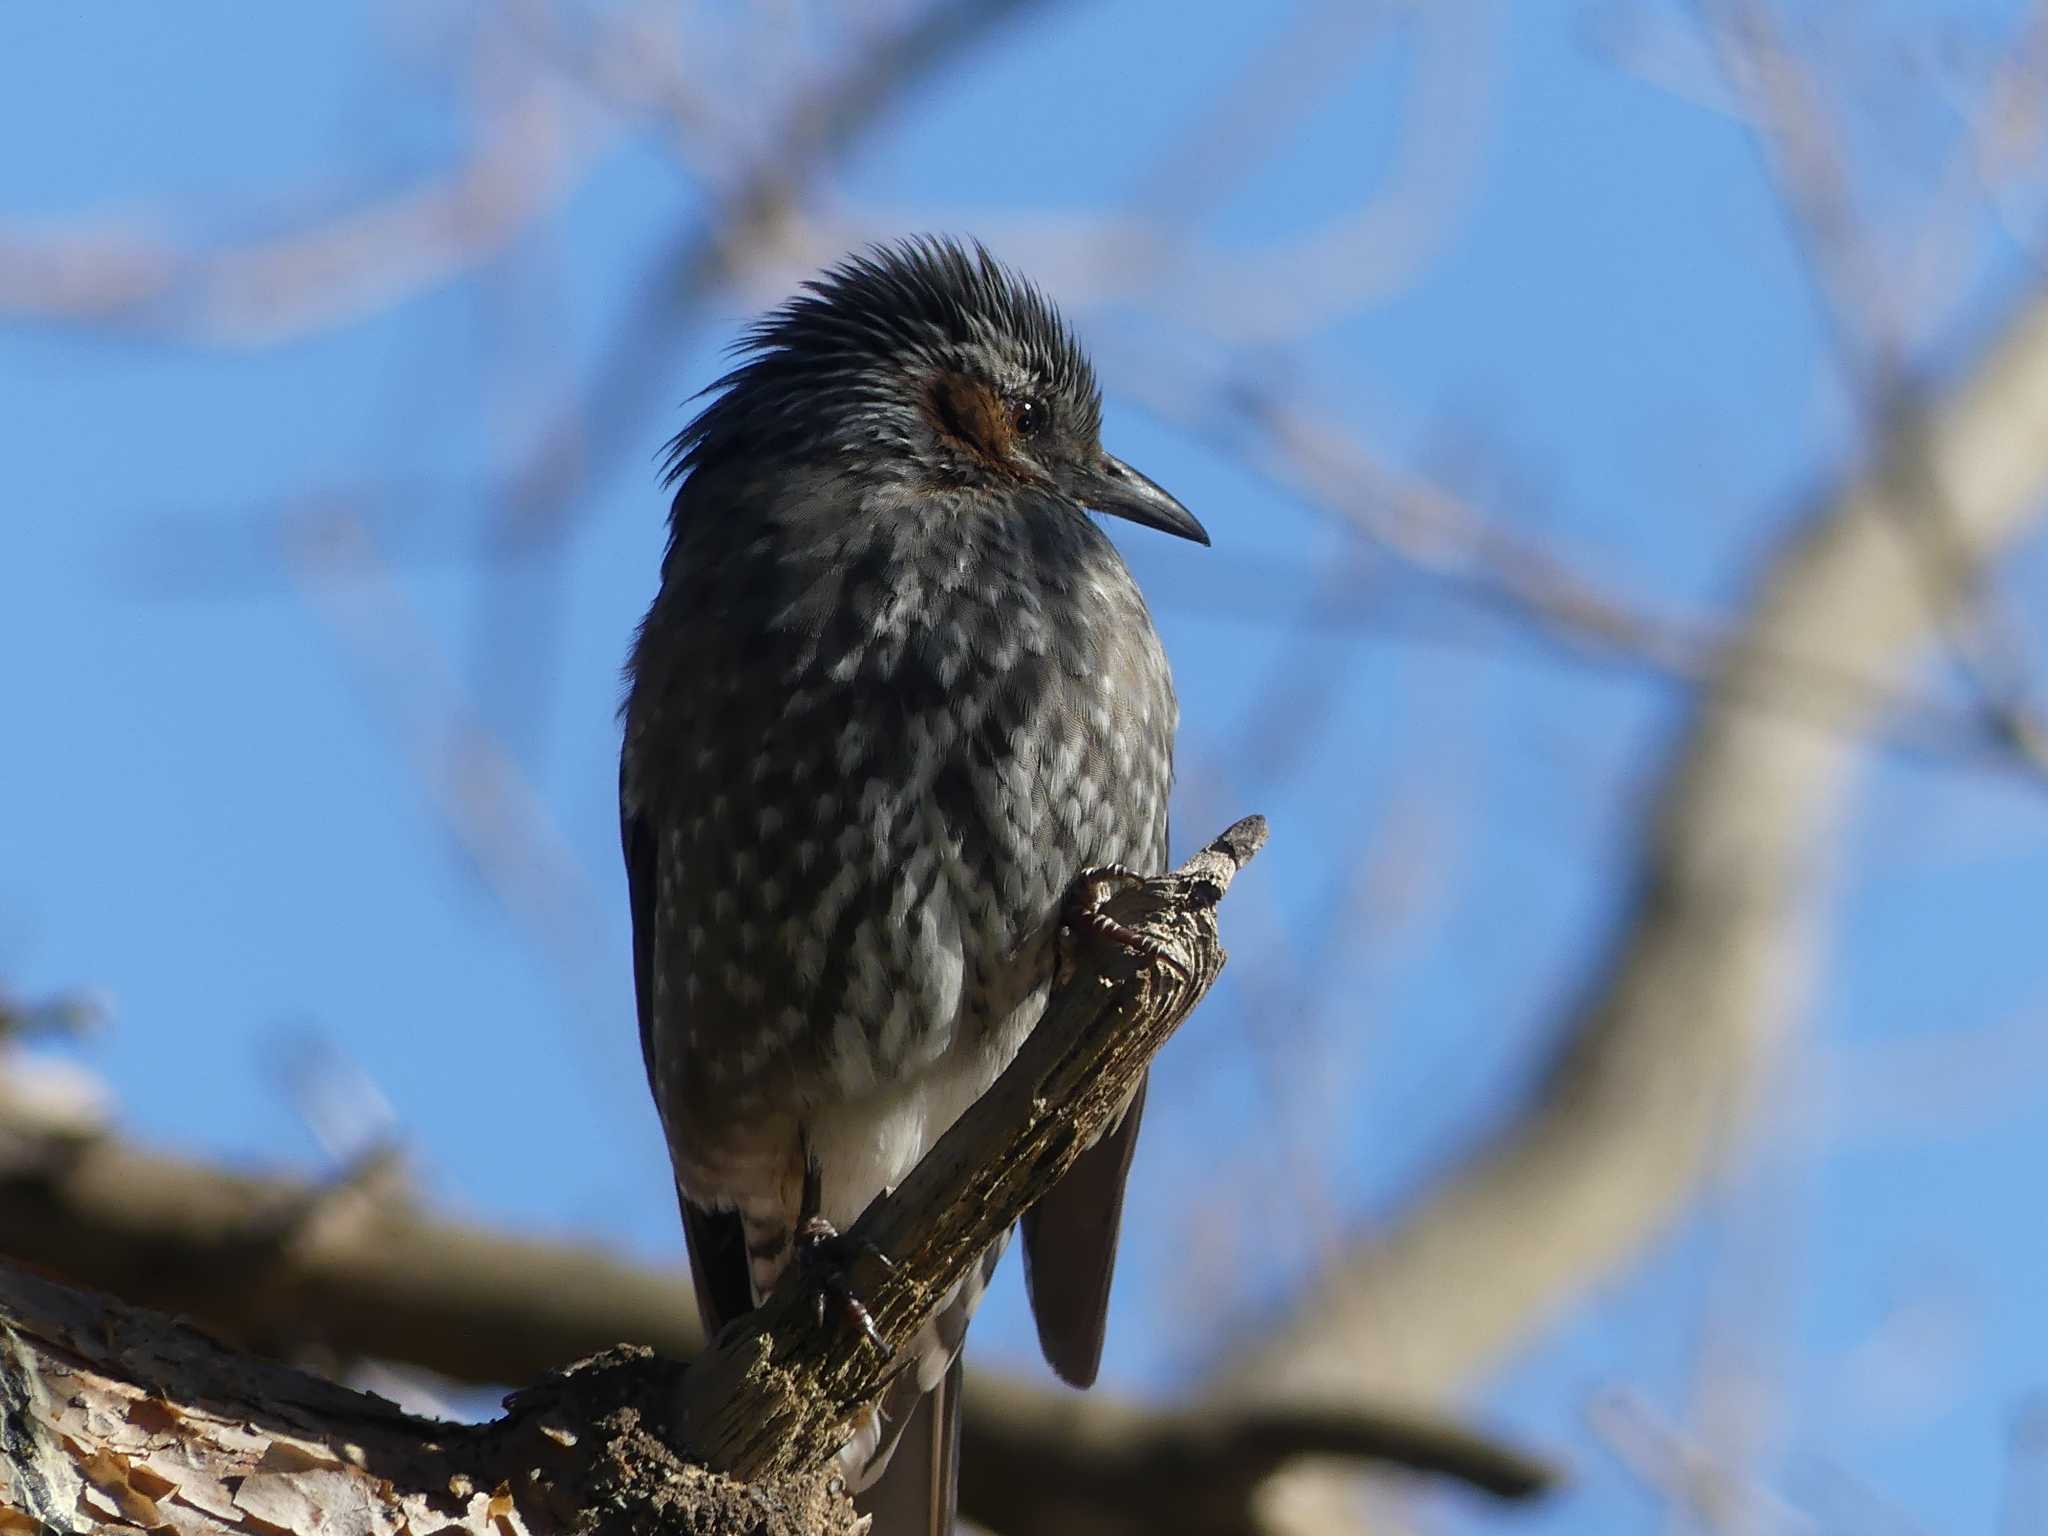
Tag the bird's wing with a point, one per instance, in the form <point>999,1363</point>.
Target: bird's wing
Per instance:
<point>636,841</point>
<point>1070,1250</point>
<point>717,1244</point>
<point>715,1239</point>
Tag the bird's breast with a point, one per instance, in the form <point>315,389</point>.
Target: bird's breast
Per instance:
<point>883,793</point>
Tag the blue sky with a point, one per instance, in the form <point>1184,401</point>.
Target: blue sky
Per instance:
<point>1605,339</point>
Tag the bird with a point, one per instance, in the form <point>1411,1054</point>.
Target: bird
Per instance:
<point>895,693</point>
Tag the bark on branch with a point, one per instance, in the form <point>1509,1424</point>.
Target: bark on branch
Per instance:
<point>117,1419</point>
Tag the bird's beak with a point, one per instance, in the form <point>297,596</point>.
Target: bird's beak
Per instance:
<point>1120,491</point>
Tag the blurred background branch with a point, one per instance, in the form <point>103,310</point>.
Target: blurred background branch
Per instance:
<point>1684,1024</point>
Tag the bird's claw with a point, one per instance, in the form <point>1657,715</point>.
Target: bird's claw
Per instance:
<point>826,1258</point>
<point>1084,913</point>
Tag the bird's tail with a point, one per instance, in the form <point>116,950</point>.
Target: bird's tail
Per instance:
<point>919,1489</point>
<point>903,1462</point>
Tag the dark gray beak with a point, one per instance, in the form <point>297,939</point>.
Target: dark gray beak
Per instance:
<point>1120,491</point>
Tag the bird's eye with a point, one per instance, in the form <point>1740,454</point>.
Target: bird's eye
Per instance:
<point>1028,417</point>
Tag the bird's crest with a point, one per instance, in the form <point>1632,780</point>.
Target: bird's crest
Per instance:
<point>851,339</point>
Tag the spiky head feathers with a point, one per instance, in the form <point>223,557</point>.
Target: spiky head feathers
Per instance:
<point>926,359</point>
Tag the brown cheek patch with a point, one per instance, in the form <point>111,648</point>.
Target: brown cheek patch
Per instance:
<point>971,415</point>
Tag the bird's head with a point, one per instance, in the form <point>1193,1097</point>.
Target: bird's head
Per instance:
<point>930,362</point>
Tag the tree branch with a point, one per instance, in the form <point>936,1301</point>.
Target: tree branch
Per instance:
<point>116,1419</point>
<point>111,1415</point>
<point>1065,1462</point>
<point>281,1264</point>
<point>1658,1069</point>
<point>776,1391</point>
<point>349,1266</point>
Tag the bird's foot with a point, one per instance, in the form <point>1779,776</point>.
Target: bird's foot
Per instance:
<point>826,1257</point>
<point>1084,913</point>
